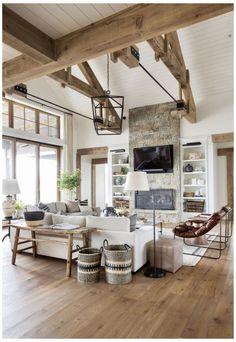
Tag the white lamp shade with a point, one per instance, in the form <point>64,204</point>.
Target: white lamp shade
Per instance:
<point>136,181</point>
<point>10,187</point>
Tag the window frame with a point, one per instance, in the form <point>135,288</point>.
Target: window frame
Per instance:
<point>37,111</point>
<point>38,145</point>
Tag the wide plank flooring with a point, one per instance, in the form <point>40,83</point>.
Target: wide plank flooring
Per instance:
<point>40,302</point>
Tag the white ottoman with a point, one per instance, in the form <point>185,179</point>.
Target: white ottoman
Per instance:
<point>169,254</point>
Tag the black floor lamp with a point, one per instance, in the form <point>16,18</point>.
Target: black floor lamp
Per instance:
<point>137,181</point>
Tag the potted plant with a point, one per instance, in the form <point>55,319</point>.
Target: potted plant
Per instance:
<point>124,170</point>
<point>19,207</point>
<point>69,181</point>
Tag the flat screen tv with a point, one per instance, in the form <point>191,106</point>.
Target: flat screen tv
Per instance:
<point>154,159</point>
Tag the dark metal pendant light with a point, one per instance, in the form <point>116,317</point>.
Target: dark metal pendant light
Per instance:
<point>108,111</point>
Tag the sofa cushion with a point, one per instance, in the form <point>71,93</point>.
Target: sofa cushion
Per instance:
<point>72,206</point>
<point>52,207</point>
<point>61,206</point>
<point>108,223</point>
<point>80,220</point>
<point>85,208</point>
<point>48,219</point>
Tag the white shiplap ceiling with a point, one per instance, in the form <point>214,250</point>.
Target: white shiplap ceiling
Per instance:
<point>207,49</point>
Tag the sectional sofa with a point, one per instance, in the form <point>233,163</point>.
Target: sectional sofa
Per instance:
<point>116,230</point>
<point>68,208</point>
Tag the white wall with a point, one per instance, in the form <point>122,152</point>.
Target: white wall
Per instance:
<point>214,115</point>
<point>87,137</point>
<point>86,169</point>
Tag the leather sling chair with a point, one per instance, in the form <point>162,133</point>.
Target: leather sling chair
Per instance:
<point>188,230</point>
<point>226,214</point>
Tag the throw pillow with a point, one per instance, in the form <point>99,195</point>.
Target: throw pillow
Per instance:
<point>52,207</point>
<point>85,208</point>
<point>84,202</point>
<point>61,206</point>
<point>43,206</point>
<point>72,206</point>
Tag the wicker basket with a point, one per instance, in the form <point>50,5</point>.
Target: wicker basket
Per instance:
<point>88,268</point>
<point>194,206</point>
<point>118,263</point>
<point>188,194</point>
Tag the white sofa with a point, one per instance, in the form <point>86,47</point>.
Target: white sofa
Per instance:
<point>115,229</point>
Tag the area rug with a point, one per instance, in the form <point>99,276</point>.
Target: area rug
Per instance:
<point>189,260</point>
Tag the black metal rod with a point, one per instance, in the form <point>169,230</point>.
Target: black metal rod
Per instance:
<point>54,104</point>
<point>157,82</point>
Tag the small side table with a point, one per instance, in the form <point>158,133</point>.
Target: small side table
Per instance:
<point>6,222</point>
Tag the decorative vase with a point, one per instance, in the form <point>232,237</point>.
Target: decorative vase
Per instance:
<point>188,168</point>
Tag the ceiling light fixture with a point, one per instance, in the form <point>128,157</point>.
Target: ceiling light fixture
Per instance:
<point>108,111</point>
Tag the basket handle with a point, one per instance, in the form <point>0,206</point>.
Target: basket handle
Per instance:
<point>105,243</point>
<point>101,249</point>
<point>127,246</point>
<point>78,248</point>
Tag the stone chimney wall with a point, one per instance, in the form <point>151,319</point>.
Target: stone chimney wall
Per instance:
<point>152,126</point>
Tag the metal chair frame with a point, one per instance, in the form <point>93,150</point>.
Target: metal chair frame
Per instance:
<point>223,238</point>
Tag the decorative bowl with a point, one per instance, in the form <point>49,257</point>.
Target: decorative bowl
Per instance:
<point>34,218</point>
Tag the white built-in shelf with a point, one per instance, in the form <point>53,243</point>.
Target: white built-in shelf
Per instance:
<point>194,185</point>
<point>119,175</point>
<point>121,164</point>
<point>193,146</point>
<point>118,186</point>
<point>190,198</point>
<point>193,160</point>
<point>121,196</point>
<point>194,173</point>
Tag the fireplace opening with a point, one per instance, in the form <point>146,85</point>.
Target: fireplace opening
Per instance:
<point>164,199</point>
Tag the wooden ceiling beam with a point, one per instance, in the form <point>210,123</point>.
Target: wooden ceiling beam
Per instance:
<point>168,50</point>
<point>74,83</point>
<point>26,38</point>
<point>159,46</point>
<point>61,76</point>
<point>90,77</point>
<point>129,56</point>
<point>133,25</point>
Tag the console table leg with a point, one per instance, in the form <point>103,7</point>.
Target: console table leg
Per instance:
<point>69,255</point>
<point>15,246</point>
<point>33,235</point>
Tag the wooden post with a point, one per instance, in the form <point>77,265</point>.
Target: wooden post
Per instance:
<point>69,255</point>
<point>33,235</point>
<point>15,246</point>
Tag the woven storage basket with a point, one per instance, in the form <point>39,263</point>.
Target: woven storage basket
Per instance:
<point>118,263</point>
<point>88,268</point>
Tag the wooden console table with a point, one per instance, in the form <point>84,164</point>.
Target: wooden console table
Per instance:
<point>78,233</point>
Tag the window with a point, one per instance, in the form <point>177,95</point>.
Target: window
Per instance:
<point>36,169</point>
<point>7,158</point>
<point>5,113</point>
<point>48,174</point>
<point>49,125</point>
<point>26,171</point>
<point>25,118</point>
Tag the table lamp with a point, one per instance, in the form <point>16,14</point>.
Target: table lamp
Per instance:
<point>137,181</point>
<point>9,187</point>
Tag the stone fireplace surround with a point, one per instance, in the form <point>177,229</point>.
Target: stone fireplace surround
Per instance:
<point>152,126</point>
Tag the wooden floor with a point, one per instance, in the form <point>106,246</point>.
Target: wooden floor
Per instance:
<point>39,302</point>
